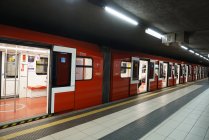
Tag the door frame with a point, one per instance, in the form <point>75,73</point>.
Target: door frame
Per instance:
<point>37,45</point>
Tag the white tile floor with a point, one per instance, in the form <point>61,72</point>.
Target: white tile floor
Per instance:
<point>191,122</point>
<point>175,127</point>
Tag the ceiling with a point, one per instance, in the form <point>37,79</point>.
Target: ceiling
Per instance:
<point>87,20</point>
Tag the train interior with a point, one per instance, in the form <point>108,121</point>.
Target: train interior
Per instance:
<point>187,73</point>
<point>24,81</point>
<point>177,73</point>
<point>165,73</point>
<point>143,76</point>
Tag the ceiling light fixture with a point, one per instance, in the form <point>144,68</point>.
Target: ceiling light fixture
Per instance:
<point>154,33</point>
<point>191,51</point>
<point>183,47</point>
<point>120,15</point>
<point>197,54</point>
<point>23,49</point>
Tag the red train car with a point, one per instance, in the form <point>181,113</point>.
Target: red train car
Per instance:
<point>68,73</point>
<point>56,74</point>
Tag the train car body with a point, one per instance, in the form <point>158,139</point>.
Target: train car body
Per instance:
<point>68,74</point>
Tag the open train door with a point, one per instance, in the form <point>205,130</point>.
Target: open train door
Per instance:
<point>177,73</point>
<point>134,82</point>
<point>63,79</point>
<point>153,75</point>
<point>170,74</point>
<point>143,76</point>
<point>187,73</point>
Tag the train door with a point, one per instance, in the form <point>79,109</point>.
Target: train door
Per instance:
<point>186,73</point>
<point>63,79</point>
<point>165,75</point>
<point>200,72</point>
<point>196,72</point>
<point>134,82</point>
<point>24,82</point>
<point>152,75</point>
<point>177,73</point>
<point>170,74</point>
<point>9,76</point>
<point>143,76</point>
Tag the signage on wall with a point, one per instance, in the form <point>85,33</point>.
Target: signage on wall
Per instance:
<point>31,63</point>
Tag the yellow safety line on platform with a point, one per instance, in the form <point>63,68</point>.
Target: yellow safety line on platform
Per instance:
<point>37,128</point>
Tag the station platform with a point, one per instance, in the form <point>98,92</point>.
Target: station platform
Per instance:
<point>180,112</point>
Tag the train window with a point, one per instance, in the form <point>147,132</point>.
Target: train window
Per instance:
<point>194,70</point>
<point>125,69</point>
<point>41,66</point>
<point>61,69</point>
<point>161,71</point>
<point>189,70</point>
<point>176,70</point>
<point>84,68</point>
<point>135,72</point>
<point>156,69</point>
<point>169,70</point>
<point>151,70</point>
<point>181,71</point>
<point>11,70</point>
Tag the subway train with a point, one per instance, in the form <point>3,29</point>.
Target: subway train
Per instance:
<point>45,74</point>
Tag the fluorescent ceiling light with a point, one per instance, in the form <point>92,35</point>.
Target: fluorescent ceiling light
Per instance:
<point>183,47</point>
<point>24,49</point>
<point>120,15</point>
<point>197,54</point>
<point>191,51</point>
<point>153,33</point>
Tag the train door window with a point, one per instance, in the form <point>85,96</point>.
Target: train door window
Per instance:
<point>189,70</point>
<point>176,70</point>
<point>125,70</point>
<point>134,70</point>
<point>156,69</point>
<point>186,72</point>
<point>84,68</point>
<point>151,70</point>
<point>161,70</point>
<point>165,74</point>
<point>169,70</point>
<point>181,72</point>
<point>41,66</point>
<point>11,69</point>
<point>177,73</point>
<point>62,69</point>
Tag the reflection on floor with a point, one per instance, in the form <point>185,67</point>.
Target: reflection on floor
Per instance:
<point>25,107</point>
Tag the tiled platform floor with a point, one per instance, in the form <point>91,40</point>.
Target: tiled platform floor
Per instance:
<point>191,121</point>
<point>182,113</point>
